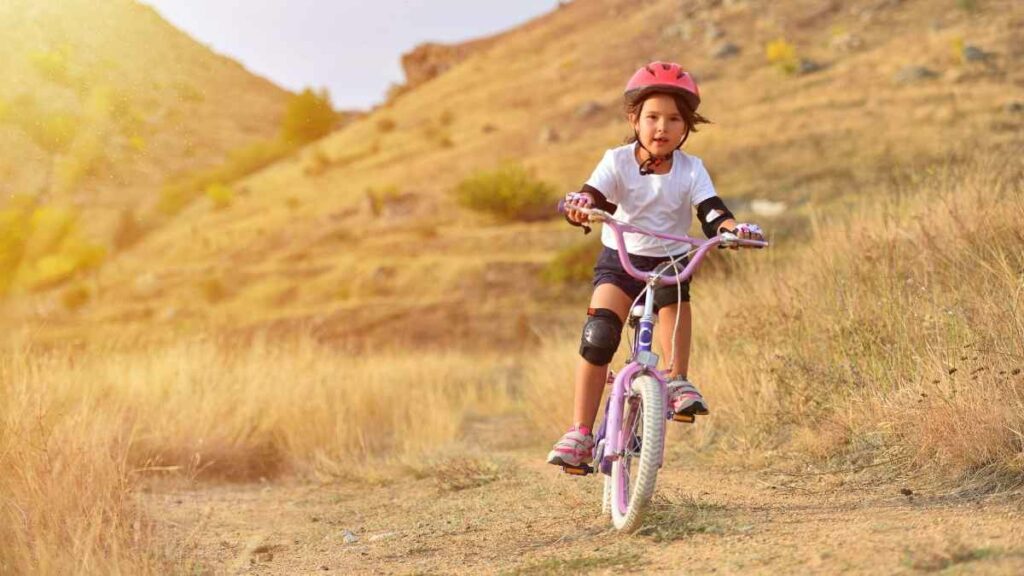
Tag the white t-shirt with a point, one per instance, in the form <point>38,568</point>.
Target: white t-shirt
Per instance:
<point>656,202</point>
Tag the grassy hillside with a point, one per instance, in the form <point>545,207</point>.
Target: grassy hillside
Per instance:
<point>101,104</point>
<point>336,239</point>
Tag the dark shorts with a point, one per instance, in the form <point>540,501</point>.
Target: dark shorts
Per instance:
<point>608,270</point>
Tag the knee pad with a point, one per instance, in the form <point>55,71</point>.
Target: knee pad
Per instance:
<point>601,334</point>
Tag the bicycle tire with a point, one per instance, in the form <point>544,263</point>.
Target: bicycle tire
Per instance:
<point>644,419</point>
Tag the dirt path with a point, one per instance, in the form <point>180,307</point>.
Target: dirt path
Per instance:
<point>527,518</point>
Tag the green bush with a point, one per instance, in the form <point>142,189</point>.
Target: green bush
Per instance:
<point>14,232</point>
<point>137,143</point>
<point>783,56</point>
<point>220,195</point>
<point>510,193</point>
<point>573,264</point>
<point>309,115</point>
<point>970,6</point>
<point>40,246</point>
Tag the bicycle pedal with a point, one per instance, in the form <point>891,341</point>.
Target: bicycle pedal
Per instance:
<point>581,470</point>
<point>687,418</point>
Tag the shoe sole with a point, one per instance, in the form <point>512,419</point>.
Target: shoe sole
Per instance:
<point>694,409</point>
<point>557,461</point>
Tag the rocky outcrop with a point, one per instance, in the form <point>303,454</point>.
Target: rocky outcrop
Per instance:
<point>430,60</point>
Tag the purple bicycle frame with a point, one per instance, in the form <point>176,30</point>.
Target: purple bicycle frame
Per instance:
<point>643,360</point>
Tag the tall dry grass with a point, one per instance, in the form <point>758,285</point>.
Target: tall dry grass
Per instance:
<point>893,337</point>
<point>79,429</point>
<point>65,500</point>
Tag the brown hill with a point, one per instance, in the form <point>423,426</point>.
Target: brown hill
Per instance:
<point>101,103</point>
<point>357,237</point>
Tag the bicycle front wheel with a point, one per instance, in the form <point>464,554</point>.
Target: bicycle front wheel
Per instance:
<point>635,472</point>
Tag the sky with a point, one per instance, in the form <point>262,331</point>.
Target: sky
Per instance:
<point>351,47</point>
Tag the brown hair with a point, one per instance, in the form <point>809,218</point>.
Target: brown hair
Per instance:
<point>691,118</point>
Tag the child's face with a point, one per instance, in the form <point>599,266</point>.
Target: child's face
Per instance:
<point>659,124</point>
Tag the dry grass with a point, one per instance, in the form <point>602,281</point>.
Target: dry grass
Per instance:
<point>895,335</point>
<point>79,429</point>
<point>65,493</point>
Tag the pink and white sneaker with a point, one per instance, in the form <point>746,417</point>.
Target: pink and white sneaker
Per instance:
<point>685,399</point>
<point>574,448</point>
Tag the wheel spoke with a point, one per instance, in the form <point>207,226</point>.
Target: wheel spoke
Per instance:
<point>633,428</point>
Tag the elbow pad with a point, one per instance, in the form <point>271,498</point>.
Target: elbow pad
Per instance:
<point>711,213</point>
<point>600,201</point>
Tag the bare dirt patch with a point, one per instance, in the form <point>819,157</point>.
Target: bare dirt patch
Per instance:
<point>528,518</point>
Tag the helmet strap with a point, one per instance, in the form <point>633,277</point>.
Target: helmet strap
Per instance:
<point>652,162</point>
<point>649,165</point>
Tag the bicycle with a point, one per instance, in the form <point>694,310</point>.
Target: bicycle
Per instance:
<point>635,414</point>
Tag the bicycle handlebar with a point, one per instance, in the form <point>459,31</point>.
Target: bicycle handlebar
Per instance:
<point>723,240</point>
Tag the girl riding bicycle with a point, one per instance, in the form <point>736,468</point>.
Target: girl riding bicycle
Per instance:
<point>651,183</point>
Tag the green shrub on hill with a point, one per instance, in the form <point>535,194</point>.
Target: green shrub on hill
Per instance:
<point>220,195</point>
<point>782,55</point>
<point>40,246</point>
<point>309,115</point>
<point>510,193</point>
<point>574,264</point>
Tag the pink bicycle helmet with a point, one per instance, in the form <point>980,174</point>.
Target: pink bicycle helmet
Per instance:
<point>665,77</point>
